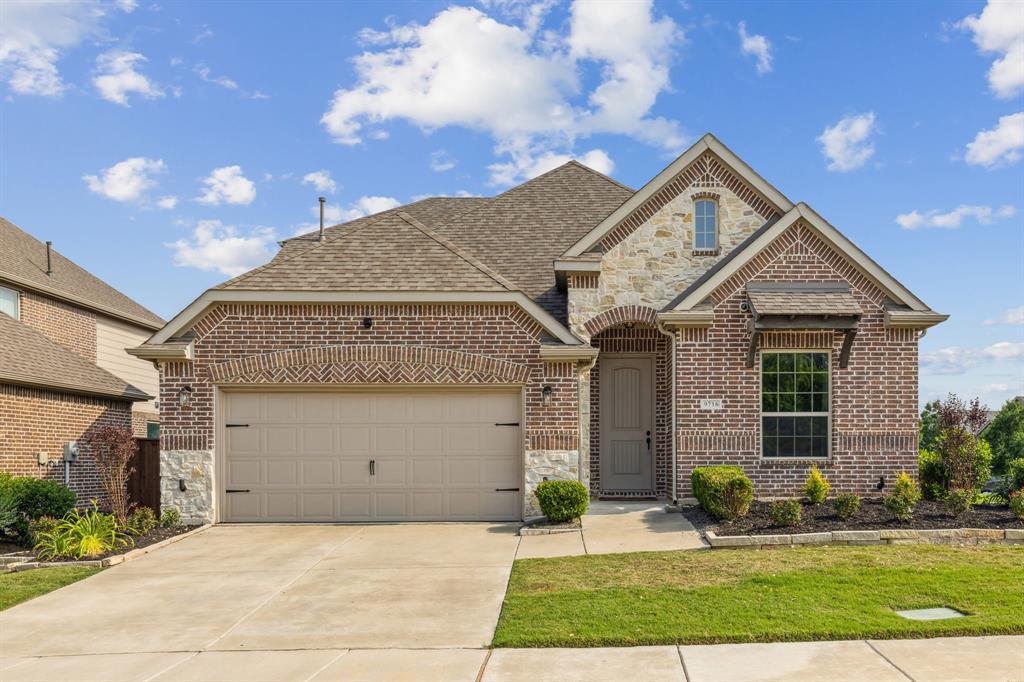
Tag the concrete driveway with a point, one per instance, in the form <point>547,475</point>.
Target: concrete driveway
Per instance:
<point>245,588</point>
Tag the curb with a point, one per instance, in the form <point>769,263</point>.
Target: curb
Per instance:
<point>896,536</point>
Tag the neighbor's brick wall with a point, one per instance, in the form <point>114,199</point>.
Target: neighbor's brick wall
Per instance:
<point>874,400</point>
<point>139,422</point>
<point>502,332</point>
<point>33,421</point>
<point>72,327</point>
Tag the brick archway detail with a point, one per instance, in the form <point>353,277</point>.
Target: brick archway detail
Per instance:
<point>639,314</point>
<point>369,364</point>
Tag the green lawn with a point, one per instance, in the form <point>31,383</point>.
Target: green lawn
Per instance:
<point>18,587</point>
<point>749,595</point>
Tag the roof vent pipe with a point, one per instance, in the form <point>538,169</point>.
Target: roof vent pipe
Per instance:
<point>322,201</point>
<point>49,258</point>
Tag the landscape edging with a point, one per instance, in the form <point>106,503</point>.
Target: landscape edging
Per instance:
<point>889,536</point>
<point>110,560</point>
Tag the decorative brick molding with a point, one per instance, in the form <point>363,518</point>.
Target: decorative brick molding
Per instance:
<point>639,314</point>
<point>552,439</point>
<point>705,172</point>
<point>370,364</point>
<point>587,280</point>
<point>797,339</point>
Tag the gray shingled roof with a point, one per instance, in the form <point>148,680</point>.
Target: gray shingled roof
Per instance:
<point>802,299</point>
<point>23,262</point>
<point>27,358</point>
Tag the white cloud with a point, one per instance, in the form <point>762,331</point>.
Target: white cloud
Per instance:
<point>116,77</point>
<point>203,71</point>
<point>363,206</point>
<point>214,246</point>
<point>999,146</point>
<point>33,36</point>
<point>985,215</point>
<point>204,34</point>
<point>995,388</point>
<point>227,185</point>
<point>1004,350</point>
<point>525,165</point>
<point>1011,316</point>
<point>443,73</point>
<point>127,6</point>
<point>440,161</point>
<point>167,202</point>
<point>320,179</point>
<point>846,144</point>
<point>126,180</point>
<point>756,46</point>
<point>957,360</point>
<point>999,29</point>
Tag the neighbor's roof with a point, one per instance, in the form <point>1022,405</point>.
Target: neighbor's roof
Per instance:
<point>23,262</point>
<point>792,298</point>
<point>27,358</point>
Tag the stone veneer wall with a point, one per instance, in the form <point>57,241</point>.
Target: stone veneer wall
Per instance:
<point>231,332</point>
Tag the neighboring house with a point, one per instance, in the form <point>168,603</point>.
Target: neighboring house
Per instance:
<point>438,360</point>
<point>63,365</point>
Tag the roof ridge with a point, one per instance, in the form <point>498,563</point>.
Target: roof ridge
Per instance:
<point>458,251</point>
<point>600,175</point>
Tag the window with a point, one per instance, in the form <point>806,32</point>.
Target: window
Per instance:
<point>795,404</point>
<point>152,429</point>
<point>9,302</point>
<point>705,233</point>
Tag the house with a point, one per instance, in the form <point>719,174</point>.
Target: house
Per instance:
<point>63,365</point>
<point>438,360</point>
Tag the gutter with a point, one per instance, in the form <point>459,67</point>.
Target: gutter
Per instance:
<point>80,302</point>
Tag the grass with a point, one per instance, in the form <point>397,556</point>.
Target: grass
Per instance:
<point>797,594</point>
<point>22,586</point>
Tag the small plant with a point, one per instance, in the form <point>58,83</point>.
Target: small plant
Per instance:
<point>43,524</point>
<point>931,475</point>
<point>724,492</point>
<point>170,518</point>
<point>958,502</point>
<point>141,521</point>
<point>1015,474</point>
<point>786,512</point>
<point>846,505</point>
<point>817,487</point>
<point>904,498</point>
<point>1017,503</point>
<point>562,501</point>
<point>113,450</point>
<point>989,500</point>
<point>82,534</point>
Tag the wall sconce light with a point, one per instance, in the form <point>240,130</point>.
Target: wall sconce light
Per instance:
<point>881,482</point>
<point>545,395</point>
<point>184,396</point>
<point>367,323</point>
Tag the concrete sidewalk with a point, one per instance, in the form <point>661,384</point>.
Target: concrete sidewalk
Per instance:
<point>988,659</point>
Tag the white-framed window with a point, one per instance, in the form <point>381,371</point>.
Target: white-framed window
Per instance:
<point>796,417</point>
<point>10,302</point>
<point>705,231</point>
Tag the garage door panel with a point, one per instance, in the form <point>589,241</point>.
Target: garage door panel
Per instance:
<point>436,455</point>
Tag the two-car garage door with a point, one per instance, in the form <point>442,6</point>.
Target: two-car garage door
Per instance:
<point>371,456</point>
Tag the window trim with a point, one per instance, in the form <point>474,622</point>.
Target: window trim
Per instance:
<point>713,250</point>
<point>761,413</point>
<point>17,300</point>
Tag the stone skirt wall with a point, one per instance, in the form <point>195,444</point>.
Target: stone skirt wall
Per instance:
<point>544,465</point>
<point>194,469</point>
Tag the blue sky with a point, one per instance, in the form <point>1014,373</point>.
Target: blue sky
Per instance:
<point>167,145</point>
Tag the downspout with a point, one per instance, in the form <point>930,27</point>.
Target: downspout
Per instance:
<point>583,367</point>
<point>675,454</point>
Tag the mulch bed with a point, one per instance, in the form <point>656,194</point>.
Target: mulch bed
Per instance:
<point>575,524</point>
<point>872,516</point>
<point>151,538</point>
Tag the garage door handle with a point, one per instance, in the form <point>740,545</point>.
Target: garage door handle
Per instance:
<point>507,424</point>
<point>373,465</point>
<point>237,490</point>
<point>236,426</point>
<point>506,490</point>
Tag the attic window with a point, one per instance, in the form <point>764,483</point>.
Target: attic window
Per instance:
<point>705,231</point>
<point>9,302</point>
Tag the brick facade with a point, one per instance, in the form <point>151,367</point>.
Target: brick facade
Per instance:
<point>34,421</point>
<point>70,326</point>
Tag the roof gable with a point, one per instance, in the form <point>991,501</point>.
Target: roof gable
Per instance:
<point>707,161</point>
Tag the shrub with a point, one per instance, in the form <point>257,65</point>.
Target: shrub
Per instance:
<point>113,449</point>
<point>903,499</point>
<point>1017,503</point>
<point>990,500</point>
<point>846,505</point>
<point>44,524</point>
<point>724,492</point>
<point>9,514</point>
<point>1006,435</point>
<point>958,502</point>
<point>170,518</point>
<point>931,475</point>
<point>562,501</point>
<point>26,499</point>
<point>1015,474</point>
<point>82,534</point>
<point>966,461</point>
<point>786,512</point>
<point>817,487</point>
<point>141,521</point>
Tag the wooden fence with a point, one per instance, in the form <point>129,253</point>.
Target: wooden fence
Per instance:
<point>144,483</point>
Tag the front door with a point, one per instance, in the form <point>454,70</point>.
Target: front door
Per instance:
<point>627,424</point>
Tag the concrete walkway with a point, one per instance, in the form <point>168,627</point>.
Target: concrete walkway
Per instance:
<point>967,659</point>
<point>610,527</point>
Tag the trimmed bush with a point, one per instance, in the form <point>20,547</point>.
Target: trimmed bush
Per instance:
<point>1017,503</point>
<point>141,521</point>
<point>903,499</point>
<point>725,492</point>
<point>31,499</point>
<point>44,524</point>
<point>817,487</point>
<point>958,502</point>
<point>10,517</point>
<point>931,474</point>
<point>170,518</point>
<point>786,512</point>
<point>562,501</point>
<point>846,505</point>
